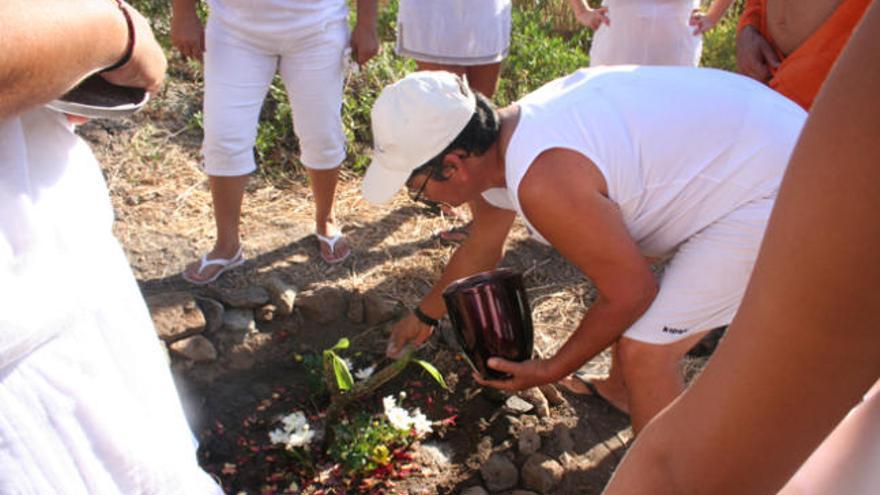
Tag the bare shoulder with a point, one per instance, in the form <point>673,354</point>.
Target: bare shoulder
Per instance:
<point>562,173</point>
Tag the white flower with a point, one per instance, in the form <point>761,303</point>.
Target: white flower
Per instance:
<point>365,373</point>
<point>348,363</point>
<point>420,423</point>
<point>295,432</point>
<point>278,436</point>
<point>301,438</point>
<point>388,403</point>
<point>295,421</point>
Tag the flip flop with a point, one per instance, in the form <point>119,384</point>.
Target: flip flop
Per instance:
<point>225,264</point>
<point>583,377</point>
<point>331,244</point>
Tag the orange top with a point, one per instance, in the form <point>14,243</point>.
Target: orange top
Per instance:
<point>802,73</point>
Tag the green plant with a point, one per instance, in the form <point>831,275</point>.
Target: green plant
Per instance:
<point>370,441</point>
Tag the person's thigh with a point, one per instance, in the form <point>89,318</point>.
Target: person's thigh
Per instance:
<point>237,78</point>
<point>313,72</point>
<point>703,284</point>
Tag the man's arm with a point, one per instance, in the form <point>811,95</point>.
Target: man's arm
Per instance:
<point>481,251</point>
<point>49,46</point>
<point>805,345</point>
<point>187,32</point>
<point>364,38</point>
<point>563,195</point>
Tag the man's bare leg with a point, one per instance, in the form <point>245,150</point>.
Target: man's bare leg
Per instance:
<point>323,183</point>
<point>227,194</point>
<point>653,376</point>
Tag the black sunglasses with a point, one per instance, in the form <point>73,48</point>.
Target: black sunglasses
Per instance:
<point>416,194</point>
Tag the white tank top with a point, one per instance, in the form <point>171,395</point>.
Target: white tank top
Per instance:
<point>679,147</point>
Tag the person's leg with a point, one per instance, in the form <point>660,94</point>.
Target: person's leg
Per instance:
<point>313,74</point>
<point>701,289</point>
<point>237,77</point>
<point>653,376</point>
<point>611,388</point>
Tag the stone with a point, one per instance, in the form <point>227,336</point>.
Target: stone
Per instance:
<point>213,311</point>
<point>196,348</point>
<point>474,490</point>
<point>534,397</point>
<point>355,313</point>
<point>523,492</point>
<point>282,294</point>
<point>517,405</point>
<point>499,473</point>
<point>561,440</point>
<point>246,297</point>
<point>239,321</point>
<point>265,313</point>
<point>542,473</point>
<point>553,395</point>
<point>323,305</point>
<point>529,441</point>
<point>378,309</point>
<point>241,357</point>
<point>176,315</point>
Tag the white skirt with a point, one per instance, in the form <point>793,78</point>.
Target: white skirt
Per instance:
<point>646,32</point>
<point>454,32</point>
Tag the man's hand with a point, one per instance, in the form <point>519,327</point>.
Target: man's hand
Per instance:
<point>592,18</point>
<point>146,68</point>
<point>754,55</point>
<point>187,33</point>
<point>701,21</point>
<point>364,42</point>
<point>525,374</point>
<point>410,331</point>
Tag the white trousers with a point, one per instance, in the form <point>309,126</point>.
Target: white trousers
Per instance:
<point>239,68</point>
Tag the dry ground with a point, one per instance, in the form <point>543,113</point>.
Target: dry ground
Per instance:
<point>164,221</point>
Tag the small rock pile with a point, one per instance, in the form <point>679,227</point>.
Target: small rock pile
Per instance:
<point>222,329</point>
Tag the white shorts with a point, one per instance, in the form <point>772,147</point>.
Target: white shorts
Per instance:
<point>454,32</point>
<point>647,33</point>
<point>238,71</point>
<point>703,284</point>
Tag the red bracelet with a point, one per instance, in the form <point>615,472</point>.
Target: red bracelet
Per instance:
<point>129,47</point>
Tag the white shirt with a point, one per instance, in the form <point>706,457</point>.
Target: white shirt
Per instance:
<point>679,147</point>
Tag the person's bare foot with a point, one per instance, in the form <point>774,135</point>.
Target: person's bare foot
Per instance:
<point>601,388</point>
<point>332,244</point>
<point>212,264</point>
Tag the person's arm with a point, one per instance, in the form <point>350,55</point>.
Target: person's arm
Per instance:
<point>563,195</point>
<point>587,16</point>
<point>804,346</point>
<point>480,251</point>
<point>364,38</point>
<point>51,45</point>
<point>187,31</point>
<point>704,21</point>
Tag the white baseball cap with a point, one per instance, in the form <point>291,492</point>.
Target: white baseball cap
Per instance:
<point>413,120</point>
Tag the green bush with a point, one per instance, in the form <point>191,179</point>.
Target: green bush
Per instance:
<point>546,43</point>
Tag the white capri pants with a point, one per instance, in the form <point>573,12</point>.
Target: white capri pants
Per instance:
<point>647,32</point>
<point>704,282</point>
<point>238,72</point>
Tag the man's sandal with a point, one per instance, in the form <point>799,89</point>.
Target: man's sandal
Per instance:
<point>225,264</point>
<point>583,378</point>
<point>331,245</point>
